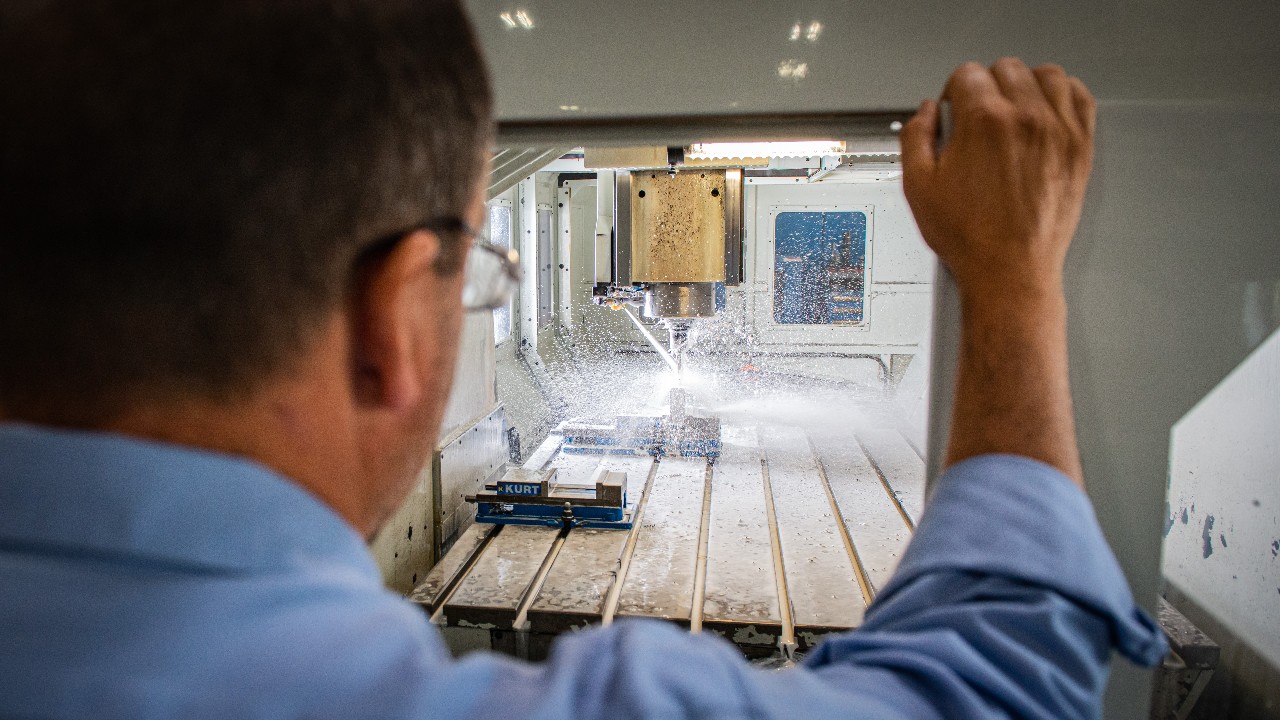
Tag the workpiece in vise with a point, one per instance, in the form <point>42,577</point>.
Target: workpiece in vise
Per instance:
<point>676,435</point>
<point>533,497</point>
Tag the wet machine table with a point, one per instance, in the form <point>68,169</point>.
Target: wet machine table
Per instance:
<point>782,540</point>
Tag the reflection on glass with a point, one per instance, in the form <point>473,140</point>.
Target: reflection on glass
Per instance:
<point>793,70</point>
<point>810,32</point>
<point>520,18</point>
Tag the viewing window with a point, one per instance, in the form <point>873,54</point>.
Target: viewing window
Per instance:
<point>820,268</point>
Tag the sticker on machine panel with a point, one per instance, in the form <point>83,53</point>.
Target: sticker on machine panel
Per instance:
<point>519,488</point>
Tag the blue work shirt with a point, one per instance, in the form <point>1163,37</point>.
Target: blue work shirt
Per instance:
<point>144,580</point>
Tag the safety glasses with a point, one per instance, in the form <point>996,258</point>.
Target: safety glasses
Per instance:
<point>491,274</point>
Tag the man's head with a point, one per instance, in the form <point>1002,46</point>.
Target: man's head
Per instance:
<point>189,192</point>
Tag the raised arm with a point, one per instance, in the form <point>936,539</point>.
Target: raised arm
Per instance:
<point>999,205</point>
<point>1008,602</point>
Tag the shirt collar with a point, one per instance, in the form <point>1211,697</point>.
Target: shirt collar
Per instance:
<point>99,493</point>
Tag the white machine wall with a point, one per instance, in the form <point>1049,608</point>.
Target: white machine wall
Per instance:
<point>519,357</point>
<point>899,285</point>
<point>899,267</point>
<point>473,392</point>
<point>1222,530</point>
<point>582,233</point>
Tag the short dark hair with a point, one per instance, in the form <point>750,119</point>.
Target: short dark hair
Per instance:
<point>185,185</point>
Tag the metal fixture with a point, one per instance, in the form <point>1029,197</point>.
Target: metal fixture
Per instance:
<point>532,497</point>
<point>677,435</point>
<point>680,300</point>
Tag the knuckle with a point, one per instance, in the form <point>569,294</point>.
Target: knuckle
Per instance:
<point>962,75</point>
<point>1078,137</point>
<point>913,134</point>
<point>1029,121</point>
<point>913,125</point>
<point>1076,148</point>
<point>1082,91</point>
<point>998,122</point>
<point>1050,70</point>
<point>990,111</point>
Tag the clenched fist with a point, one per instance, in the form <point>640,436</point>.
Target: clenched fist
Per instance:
<point>1001,201</point>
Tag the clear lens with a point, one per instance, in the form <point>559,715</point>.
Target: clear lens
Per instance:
<point>492,275</point>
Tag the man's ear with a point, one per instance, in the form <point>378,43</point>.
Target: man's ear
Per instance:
<point>387,315</point>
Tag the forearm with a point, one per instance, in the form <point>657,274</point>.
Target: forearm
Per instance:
<point>1012,390</point>
<point>999,204</point>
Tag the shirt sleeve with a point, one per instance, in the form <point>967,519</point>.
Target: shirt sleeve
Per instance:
<point>1007,603</point>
